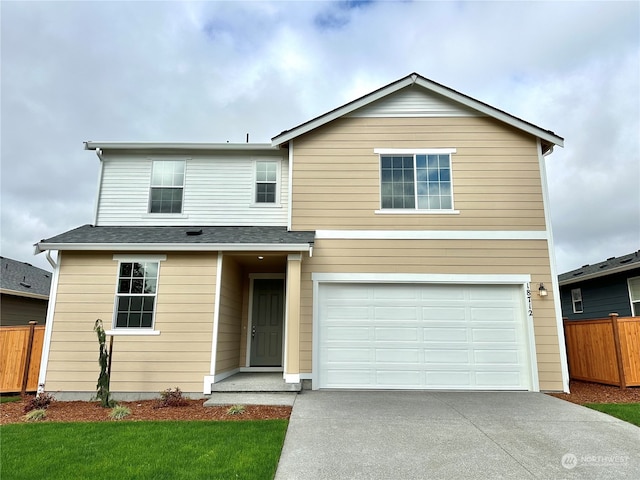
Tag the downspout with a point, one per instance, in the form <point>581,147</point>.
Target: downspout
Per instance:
<point>97,205</point>
<point>51,308</point>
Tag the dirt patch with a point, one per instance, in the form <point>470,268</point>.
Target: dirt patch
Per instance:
<point>142,410</point>
<point>586,392</point>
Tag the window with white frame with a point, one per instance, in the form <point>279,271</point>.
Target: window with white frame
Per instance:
<point>419,180</point>
<point>634,295</point>
<point>266,186</point>
<point>167,185</point>
<point>576,300</point>
<point>136,294</point>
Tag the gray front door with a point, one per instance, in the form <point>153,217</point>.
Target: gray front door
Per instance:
<point>266,323</point>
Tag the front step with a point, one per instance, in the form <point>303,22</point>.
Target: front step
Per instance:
<point>251,382</point>
<point>251,398</point>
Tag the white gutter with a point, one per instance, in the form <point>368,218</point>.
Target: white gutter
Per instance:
<point>18,293</point>
<point>89,145</point>
<point>176,247</point>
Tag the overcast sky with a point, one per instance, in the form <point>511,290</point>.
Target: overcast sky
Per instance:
<point>215,71</point>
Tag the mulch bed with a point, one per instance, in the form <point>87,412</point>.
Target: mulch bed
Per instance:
<point>581,392</point>
<point>142,410</point>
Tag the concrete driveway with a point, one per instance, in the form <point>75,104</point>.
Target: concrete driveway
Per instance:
<point>453,435</point>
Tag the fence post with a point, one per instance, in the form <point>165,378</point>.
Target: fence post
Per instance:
<point>616,342</point>
<point>27,363</point>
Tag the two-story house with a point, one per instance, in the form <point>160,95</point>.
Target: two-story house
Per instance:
<point>400,241</point>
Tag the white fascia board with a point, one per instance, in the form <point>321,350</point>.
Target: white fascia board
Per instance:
<point>177,247</point>
<point>421,278</point>
<point>491,111</point>
<point>432,234</point>
<point>18,293</point>
<point>411,151</point>
<point>591,276</point>
<point>340,111</point>
<point>89,145</point>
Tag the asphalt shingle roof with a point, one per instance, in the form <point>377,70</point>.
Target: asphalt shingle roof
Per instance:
<point>24,277</point>
<point>602,268</point>
<point>88,234</point>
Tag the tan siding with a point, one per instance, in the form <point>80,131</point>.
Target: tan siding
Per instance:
<point>496,178</point>
<point>486,257</point>
<point>179,356</point>
<point>229,326</point>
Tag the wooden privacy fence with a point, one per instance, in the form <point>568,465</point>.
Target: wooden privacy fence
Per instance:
<point>605,350</point>
<point>20,351</point>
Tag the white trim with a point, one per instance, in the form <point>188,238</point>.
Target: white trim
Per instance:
<point>261,369</point>
<point>564,366</point>
<point>176,247</point>
<point>523,280</point>
<point>216,314</point>
<point>48,329</point>
<point>206,384</point>
<point>415,211</point>
<point>138,258</point>
<point>531,338</point>
<point>132,332</point>
<point>574,300</point>
<point>631,300</point>
<point>164,216</point>
<point>306,376</point>
<point>291,378</point>
<point>290,186</point>
<point>432,234</point>
<point>414,151</point>
<point>296,257</point>
<point>467,279</point>
<point>176,146</point>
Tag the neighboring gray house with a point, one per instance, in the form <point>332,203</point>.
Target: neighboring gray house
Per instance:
<point>595,291</point>
<point>25,293</point>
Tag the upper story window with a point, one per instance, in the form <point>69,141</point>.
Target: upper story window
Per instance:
<point>136,294</point>
<point>576,300</point>
<point>634,295</point>
<point>167,185</point>
<point>416,179</point>
<point>266,186</point>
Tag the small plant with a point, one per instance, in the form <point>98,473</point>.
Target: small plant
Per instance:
<point>119,412</point>
<point>171,397</point>
<point>102,388</point>
<point>36,415</point>
<point>40,402</point>
<point>235,410</point>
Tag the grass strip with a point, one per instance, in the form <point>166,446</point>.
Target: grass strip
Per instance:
<point>142,450</point>
<point>629,412</point>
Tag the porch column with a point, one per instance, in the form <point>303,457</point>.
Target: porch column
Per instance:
<point>292,320</point>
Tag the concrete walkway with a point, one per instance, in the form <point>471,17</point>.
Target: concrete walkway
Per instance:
<point>453,435</point>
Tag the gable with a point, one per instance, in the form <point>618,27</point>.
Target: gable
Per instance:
<point>414,102</point>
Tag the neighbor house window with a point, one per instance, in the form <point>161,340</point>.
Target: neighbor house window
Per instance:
<point>634,296</point>
<point>136,294</point>
<point>576,300</point>
<point>167,185</point>
<point>266,182</point>
<point>416,180</point>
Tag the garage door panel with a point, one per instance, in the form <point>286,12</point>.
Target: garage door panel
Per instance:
<point>422,336</point>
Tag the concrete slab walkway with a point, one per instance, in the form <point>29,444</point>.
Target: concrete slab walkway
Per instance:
<point>453,435</point>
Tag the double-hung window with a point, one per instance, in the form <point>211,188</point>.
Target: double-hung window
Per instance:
<point>576,300</point>
<point>266,186</point>
<point>416,179</point>
<point>136,294</point>
<point>167,185</point>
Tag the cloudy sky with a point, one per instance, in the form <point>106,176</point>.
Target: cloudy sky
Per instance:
<point>215,71</point>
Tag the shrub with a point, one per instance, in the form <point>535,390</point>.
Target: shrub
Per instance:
<point>40,402</point>
<point>171,397</point>
<point>36,415</point>
<point>119,412</point>
<point>235,410</point>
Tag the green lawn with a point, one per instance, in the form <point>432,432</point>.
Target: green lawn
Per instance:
<point>142,450</point>
<point>629,412</point>
<point>10,399</point>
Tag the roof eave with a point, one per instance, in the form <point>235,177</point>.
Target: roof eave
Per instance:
<point>176,247</point>
<point>18,293</point>
<point>163,146</point>
<point>591,276</point>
